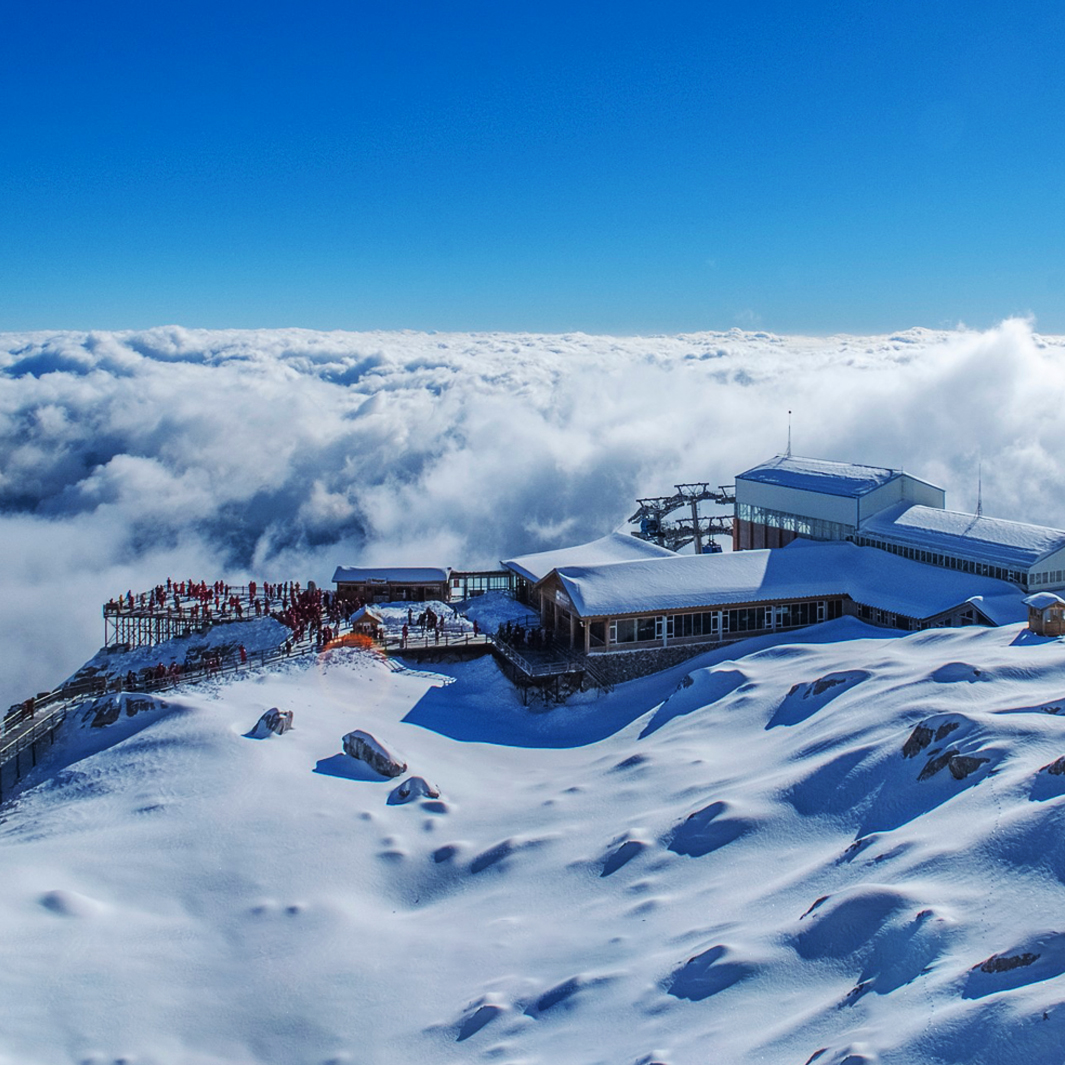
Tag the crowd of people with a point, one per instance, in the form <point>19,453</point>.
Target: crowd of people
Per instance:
<point>199,601</point>
<point>525,639</point>
<point>431,624</point>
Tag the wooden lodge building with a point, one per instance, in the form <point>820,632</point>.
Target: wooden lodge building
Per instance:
<point>671,608</point>
<point>393,584</point>
<point>530,570</point>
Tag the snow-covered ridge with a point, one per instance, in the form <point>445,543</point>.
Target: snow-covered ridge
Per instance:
<point>834,846</point>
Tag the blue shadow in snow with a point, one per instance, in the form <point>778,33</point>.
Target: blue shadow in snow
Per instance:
<point>340,765</point>
<point>483,707</point>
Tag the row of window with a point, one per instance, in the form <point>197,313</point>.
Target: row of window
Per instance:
<point>811,528</point>
<point>1049,577</point>
<point>470,584</point>
<point>936,558</point>
<point>716,624</point>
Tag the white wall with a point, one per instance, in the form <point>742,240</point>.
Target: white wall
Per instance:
<point>902,488</point>
<point>1051,564</point>
<point>840,509</point>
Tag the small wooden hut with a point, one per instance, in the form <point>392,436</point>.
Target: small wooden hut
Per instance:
<point>1046,614</point>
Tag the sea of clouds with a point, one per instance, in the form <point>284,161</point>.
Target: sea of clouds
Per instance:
<point>127,457</point>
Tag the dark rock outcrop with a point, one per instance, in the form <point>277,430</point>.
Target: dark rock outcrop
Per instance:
<point>107,709</point>
<point>919,739</point>
<point>362,746</point>
<point>1002,963</point>
<point>273,721</point>
<point>411,789</point>
<point>960,765</point>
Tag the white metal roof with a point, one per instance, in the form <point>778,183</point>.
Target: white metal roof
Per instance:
<point>615,547</point>
<point>1042,600</point>
<point>1010,544</point>
<point>391,574</point>
<point>812,570</point>
<point>820,475</point>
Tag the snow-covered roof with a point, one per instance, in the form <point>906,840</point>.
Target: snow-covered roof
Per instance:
<point>1042,600</point>
<point>367,613</point>
<point>391,574</point>
<point>820,475</point>
<point>1010,544</point>
<point>615,547</point>
<point>817,570</point>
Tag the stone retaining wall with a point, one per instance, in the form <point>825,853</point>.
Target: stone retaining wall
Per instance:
<point>615,667</point>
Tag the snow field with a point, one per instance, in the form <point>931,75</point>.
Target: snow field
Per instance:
<point>730,861</point>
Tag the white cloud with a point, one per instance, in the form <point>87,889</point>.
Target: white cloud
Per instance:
<point>128,457</point>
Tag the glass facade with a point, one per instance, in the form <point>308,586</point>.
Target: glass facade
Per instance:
<point>712,625</point>
<point>1054,576</point>
<point>811,528</point>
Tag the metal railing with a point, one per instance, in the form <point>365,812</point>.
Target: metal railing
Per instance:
<point>430,641</point>
<point>27,722</point>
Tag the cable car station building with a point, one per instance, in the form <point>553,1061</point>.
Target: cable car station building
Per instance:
<point>790,497</point>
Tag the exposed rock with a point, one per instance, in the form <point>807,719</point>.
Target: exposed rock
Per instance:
<point>822,685</point>
<point>107,709</point>
<point>816,687</point>
<point>961,765</point>
<point>365,748</point>
<point>273,721</point>
<point>934,765</point>
<point>413,788</point>
<point>814,905</point>
<point>1056,768</point>
<point>946,729</point>
<point>1002,963</point>
<point>919,739</point>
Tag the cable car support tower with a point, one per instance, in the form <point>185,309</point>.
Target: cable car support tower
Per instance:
<point>655,526</point>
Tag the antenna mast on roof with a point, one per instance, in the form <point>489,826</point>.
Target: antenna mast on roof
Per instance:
<point>789,435</point>
<point>980,488</point>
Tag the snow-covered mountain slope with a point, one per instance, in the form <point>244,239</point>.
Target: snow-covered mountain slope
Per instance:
<point>839,846</point>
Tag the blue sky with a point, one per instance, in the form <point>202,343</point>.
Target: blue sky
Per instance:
<point>621,167</point>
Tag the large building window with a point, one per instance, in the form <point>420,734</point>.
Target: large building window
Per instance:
<point>799,524</point>
<point>694,625</point>
<point>632,630</point>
